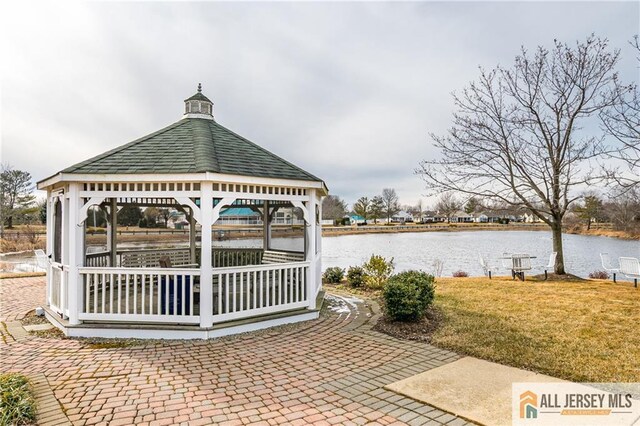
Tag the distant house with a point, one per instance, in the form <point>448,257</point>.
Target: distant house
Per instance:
<point>176,220</point>
<point>530,218</point>
<point>355,219</point>
<point>462,217</point>
<point>286,216</point>
<point>430,216</point>
<point>240,216</point>
<point>487,217</point>
<point>480,218</point>
<point>402,217</point>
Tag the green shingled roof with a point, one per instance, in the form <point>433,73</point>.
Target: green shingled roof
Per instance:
<point>198,97</point>
<point>192,145</point>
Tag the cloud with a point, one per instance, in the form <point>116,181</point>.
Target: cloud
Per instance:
<point>348,91</point>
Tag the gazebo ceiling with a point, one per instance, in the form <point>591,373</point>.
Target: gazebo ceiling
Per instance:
<point>192,145</point>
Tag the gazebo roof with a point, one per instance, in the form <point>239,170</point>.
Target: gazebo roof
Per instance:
<point>192,145</point>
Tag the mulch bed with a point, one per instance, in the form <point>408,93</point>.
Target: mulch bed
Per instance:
<point>419,330</point>
<point>32,319</point>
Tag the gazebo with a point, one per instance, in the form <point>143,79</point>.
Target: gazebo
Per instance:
<point>200,168</point>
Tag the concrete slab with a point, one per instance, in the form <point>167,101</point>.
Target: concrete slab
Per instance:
<point>38,327</point>
<point>477,390</point>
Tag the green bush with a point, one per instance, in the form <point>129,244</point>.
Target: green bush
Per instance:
<point>377,271</point>
<point>355,276</point>
<point>407,295</point>
<point>17,404</point>
<point>333,275</point>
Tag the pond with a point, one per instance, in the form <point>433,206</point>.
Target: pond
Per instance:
<point>456,250</point>
<point>459,250</point>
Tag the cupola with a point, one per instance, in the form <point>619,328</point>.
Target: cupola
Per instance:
<point>198,106</point>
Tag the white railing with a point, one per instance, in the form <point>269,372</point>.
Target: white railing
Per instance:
<point>99,259</point>
<point>229,257</point>
<point>164,295</point>
<point>139,258</point>
<point>224,257</point>
<point>58,294</point>
<point>151,258</point>
<point>247,291</point>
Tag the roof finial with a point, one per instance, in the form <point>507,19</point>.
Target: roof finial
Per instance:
<point>199,87</point>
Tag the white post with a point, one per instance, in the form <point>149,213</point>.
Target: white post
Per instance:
<point>206,269</point>
<point>192,237</point>
<point>266,226</point>
<point>318,279</point>
<point>49,250</point>
<point>74,252</point>
<point>311,249</point>
<point>64,250</point>
<point>112,231</point>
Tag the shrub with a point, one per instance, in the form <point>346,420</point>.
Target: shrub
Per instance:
<point>377,271</point>
<point>333,275</point>
<point>459,274</point>
<point>17,404</point>
<point>407,295</point>
<point>600,275</point>
<point>96,230</point>
<point>355,276</point>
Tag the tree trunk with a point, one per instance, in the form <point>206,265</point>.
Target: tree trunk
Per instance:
<point>589,224</point>
<point>556,231</point>
<point>10,222</point>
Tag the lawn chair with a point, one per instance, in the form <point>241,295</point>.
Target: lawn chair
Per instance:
<point>630,267</point>
<point>551,265</point>
<point>484,265</point>
<point>606,264</point>
<point>42,260</point>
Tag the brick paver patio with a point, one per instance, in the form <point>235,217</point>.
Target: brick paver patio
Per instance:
<point>329,371</point>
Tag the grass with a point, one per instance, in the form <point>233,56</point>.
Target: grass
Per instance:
<point>17,404</point>
<point>21,274</point>
<point>580,330</point>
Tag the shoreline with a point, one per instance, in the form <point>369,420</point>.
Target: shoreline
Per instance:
<point>333,231</point>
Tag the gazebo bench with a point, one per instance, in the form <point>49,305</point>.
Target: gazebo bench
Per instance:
<point>273,256</point>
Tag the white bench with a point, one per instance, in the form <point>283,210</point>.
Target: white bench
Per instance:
<point>606,264</point>
<point>273,256</point>
<point>630,267</point>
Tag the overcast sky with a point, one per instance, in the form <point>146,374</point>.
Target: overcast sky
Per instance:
<point>347,91</point>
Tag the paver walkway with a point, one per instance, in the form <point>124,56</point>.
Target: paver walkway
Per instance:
<point>328,371</point>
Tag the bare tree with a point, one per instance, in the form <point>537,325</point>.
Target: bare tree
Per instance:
<point>448,205</point>
<point>623,209</point>
<point>390,202</point>
<point>514,137</point>
<point>419,209</point>
<point>333,207</point>
<point>622,121</point>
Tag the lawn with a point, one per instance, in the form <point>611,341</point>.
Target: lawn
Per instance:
<point>17,404</point>
<point>580,330</point>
